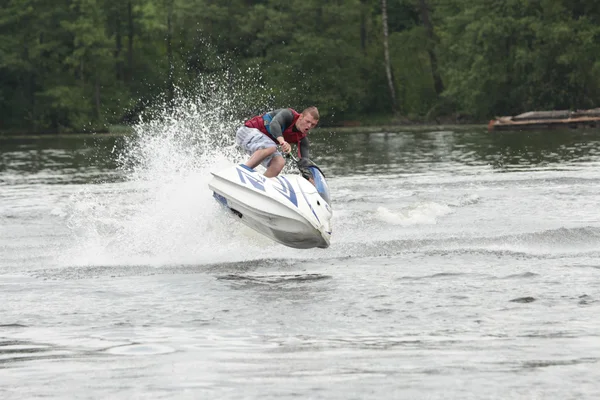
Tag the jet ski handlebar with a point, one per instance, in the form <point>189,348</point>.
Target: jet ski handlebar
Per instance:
<point>303,164</point>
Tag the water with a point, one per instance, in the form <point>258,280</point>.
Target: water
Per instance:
<point>463,265</point>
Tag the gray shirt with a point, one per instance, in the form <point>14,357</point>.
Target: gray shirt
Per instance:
<point>282,118</point>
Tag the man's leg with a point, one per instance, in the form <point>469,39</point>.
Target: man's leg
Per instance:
<point>275,167</point>
<point>259,155</point>
<point>262,149</point>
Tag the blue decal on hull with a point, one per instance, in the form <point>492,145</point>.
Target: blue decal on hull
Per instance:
<point>220,198</point>
<point>287,190</point>
<point>248,175</point>
<point>310,205</point>
<point>258,181</point>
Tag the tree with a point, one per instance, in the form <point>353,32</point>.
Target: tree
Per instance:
<point>505,58</point>
<point>426,19</point>
<point>386,53</point>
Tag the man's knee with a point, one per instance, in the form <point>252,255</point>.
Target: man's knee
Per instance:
<point>270,150</point>
<point>278,162</point>
<point>275,167</point>
<point>266,152</point>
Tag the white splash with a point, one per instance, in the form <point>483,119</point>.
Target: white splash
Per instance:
<point>426,213</point>
<point>163,212</point>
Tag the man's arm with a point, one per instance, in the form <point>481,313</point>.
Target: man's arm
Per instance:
<point>304,147</point>
<point>282,118</point>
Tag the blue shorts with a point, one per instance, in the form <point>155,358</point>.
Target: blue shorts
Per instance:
<point>251,140</point>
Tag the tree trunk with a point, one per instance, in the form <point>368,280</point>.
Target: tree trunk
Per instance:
<point>31,83</point>
<point>386,51</point>
<point>118,49</point>
<point>129,41</point>
<point>97,97</point>
<point>363,26</point>
<point>437,80</point>
<point>170,83</point>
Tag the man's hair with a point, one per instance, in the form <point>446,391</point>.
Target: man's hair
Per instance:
<point>312,110</point>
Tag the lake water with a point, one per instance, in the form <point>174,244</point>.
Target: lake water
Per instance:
<point>463,265</point>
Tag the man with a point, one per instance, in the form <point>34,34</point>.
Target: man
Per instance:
<point>260,136</point>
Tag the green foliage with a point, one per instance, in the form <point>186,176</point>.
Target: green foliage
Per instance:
<point>69,65</point>
<point>413,74</point>
<point>518,55</point>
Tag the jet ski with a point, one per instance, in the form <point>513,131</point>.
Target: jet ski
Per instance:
<point>294,209</point>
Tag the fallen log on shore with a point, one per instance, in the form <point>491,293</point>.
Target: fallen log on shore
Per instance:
<point>559,119</point>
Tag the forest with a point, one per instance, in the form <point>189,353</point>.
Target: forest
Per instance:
<point>85,65</point>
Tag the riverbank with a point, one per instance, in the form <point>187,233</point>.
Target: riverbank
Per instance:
<point>124,130</point>
<point>400,128</point>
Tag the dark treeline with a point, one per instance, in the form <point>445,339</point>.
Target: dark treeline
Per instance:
<point>71,65</point>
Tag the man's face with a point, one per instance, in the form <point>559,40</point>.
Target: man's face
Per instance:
<point>306,122</point>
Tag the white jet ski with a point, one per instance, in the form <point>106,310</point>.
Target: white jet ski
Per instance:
<point>288,209</point>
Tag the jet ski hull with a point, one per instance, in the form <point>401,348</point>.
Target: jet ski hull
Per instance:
<point>286,209</point>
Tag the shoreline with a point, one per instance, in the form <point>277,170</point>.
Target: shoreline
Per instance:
<point>400,128</point>
<point>366,129</point>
